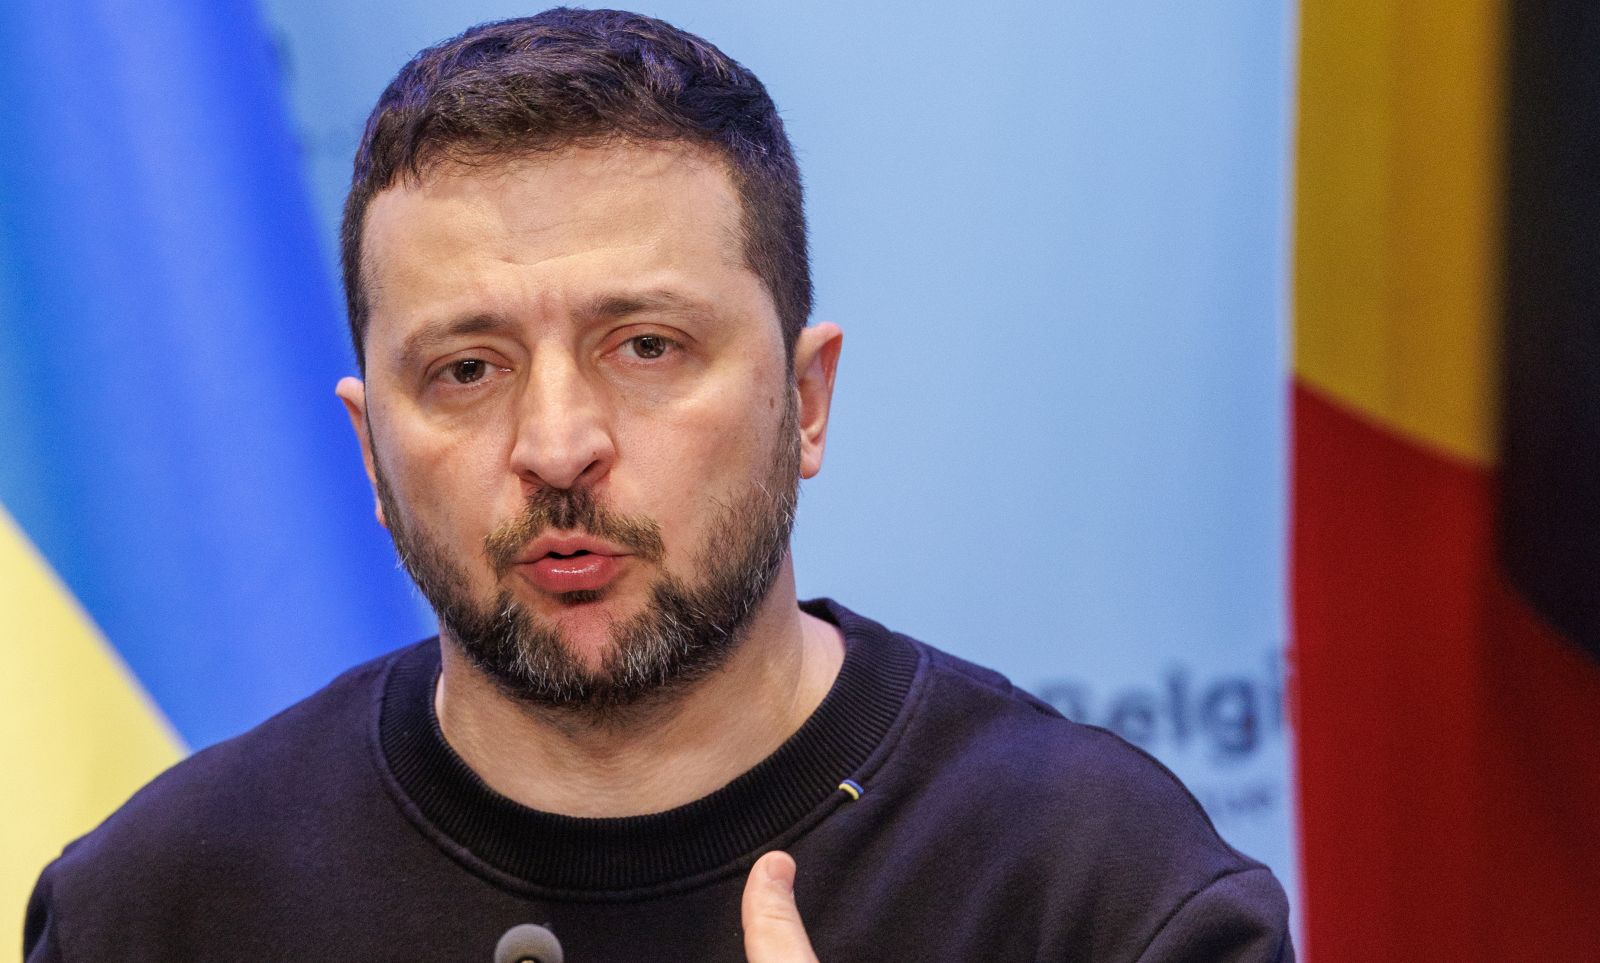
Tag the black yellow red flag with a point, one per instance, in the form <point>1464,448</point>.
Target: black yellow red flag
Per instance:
<point>1446,560</point>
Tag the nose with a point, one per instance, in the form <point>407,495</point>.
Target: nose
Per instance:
<point>563,435</point>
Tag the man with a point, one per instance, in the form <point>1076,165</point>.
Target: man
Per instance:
<point>576,268</point>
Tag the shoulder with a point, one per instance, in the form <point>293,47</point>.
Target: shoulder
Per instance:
<point>1018,745</point>
<point>967,733</point>
<point>214,812</point>
<point>1099,829</point>
<point>1011,751</point>
<point>274,760</point>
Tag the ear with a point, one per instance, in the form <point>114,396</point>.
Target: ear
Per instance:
<point>353,392</point>
<point>816,360</point>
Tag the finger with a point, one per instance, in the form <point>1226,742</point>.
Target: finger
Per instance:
<point>773,931</point>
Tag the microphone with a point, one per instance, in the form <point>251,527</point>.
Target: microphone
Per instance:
<point>527,943</point>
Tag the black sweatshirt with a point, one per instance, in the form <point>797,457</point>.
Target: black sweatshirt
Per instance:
<point>988,828</point>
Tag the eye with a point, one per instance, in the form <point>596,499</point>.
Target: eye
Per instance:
<point>466,371</point>
<point>648,346</point>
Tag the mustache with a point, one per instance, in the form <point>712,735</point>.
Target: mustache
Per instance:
<point>574,509</point>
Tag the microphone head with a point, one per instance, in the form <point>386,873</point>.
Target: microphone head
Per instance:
<point>527,943</point>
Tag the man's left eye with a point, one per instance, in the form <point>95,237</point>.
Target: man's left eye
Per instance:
<point>649,346</point>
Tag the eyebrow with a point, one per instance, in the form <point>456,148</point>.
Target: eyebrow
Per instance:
<point>415,347</point>
<point>611,307</point>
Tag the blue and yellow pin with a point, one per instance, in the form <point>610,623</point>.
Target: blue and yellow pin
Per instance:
<point>851,788</point>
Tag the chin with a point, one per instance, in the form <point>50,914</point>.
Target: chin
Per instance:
<point>586,622</point>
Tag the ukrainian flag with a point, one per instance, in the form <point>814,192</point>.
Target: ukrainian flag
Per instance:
<point>186,539</point>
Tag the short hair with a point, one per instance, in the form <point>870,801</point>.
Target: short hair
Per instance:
<point>567,78</point>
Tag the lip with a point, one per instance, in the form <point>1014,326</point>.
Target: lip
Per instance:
<point>559,564</point>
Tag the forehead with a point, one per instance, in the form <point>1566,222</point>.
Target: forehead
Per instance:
<point>549,225</point>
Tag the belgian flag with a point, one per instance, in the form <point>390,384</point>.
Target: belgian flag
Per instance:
<point>1446,582</point>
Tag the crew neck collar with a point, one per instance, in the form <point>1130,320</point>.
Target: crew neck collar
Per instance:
<point>570,853</point>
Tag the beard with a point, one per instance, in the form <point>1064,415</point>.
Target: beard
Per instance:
<point>685,631</point>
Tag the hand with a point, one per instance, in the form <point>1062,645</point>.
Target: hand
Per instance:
<point>773,932</point>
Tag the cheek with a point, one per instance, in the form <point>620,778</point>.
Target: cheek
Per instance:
<point>712,433</point>
<point>447,482</point>
<point>686,462</point>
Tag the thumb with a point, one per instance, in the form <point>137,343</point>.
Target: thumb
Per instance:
<point>773,932</point>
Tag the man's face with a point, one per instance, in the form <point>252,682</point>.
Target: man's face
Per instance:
<point>578,415</point>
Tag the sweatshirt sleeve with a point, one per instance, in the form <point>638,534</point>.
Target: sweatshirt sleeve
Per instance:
<point>1242,917</point>
<point>39,940</point>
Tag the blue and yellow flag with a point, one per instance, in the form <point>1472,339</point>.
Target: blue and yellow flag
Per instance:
<point>186,538</point>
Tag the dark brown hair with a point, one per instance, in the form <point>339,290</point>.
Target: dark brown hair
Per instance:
<point>571,77</point>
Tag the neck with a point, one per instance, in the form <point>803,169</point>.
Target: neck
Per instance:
<point>664,754</point>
